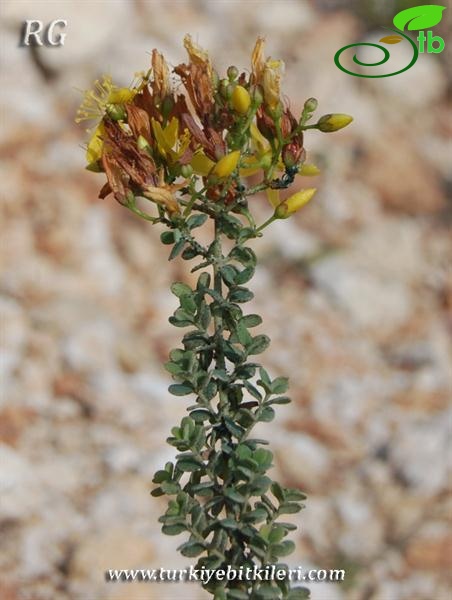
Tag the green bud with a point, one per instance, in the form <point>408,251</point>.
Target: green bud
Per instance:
<point>186,171</point>
<point>232,72</point>
<point>224,84</point>
<point>167,106</point>
<point>116,112</point>
<point>257,96</point>
<point>215,79</point>
<point>310,105</point>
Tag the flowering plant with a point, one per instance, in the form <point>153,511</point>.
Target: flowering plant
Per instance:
<point>190,151</point>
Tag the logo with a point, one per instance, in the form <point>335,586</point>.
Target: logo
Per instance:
<point>32,30</point>
<point>418,18</point>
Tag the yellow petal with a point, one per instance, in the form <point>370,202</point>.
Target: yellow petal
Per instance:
<point>273,197</point>
<point>298,200</point>
<point>95,144</point>
<point>202,165</point>
<point>226,165</point>
<point>121,95</point>
<point>162,144</point>
<point>259,142</point>
<point>171,132</point>
<point>309,170</point>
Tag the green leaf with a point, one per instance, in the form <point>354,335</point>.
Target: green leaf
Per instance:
<point>174,529</point>
<point>294,495</point>
<point>244,275</point>
<point>235,429</point>
<point>200,415</point>
<point>251,320</point>
<point>177,248</point>
<point>229,524</point>
<point>242,334</point>
<point>279,400</point>
<point>179,389</point>
<point>280,385</point>
<point>188,464</point>
<point>419,17</point>
<point>196,221</point>
<point>267,592</point>
<point>276,534</point>
<point>245,256</point>
<point>235,594</point>
<point>191,549</point>
<point>299,593</point>
<point>229,273</point>
<point>289,508</point>
<point>234,495</point>
<point>180,289</point>
<point>188,303</point>
<point>167,237</point>
<point>170,488</point>
<point>284,548</point>
<point>267,414</point>
<point>161,476</point>
<point>259,344</point>
<point>253,391</point>
<point>256,515</point>
<point>240,294</point>
<point>278,491</point>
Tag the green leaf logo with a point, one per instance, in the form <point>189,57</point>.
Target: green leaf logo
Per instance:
<point>419,17</point>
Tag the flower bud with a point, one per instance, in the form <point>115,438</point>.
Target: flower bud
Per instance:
<point>291,154</point>
<point>224,84</point>
<point>257,95</point>
<point>142,143</point>
<point>333,122</point>
<point>116,112</point>
<point>293,204</point>
<point>232,73</point>
<point>226,165</point>
<point>186,171</point>
<point>309,170</point>
<point>241,99</point>
<point>167,106</point>
<point>310,105</point>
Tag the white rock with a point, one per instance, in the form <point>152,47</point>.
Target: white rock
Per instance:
<point>421,452</point>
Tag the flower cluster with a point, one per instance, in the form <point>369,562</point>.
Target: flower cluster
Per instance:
<point>155,141</point>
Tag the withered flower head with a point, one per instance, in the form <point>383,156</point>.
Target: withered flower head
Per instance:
<point>152,142</point>
<point>160,82</point>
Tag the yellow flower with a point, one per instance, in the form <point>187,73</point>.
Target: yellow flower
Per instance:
<point>293,204</point>
<point>104,94</point>
<point>226,165</point>
<point>333,122</point>
<point>262,154</point>
<point>170,144</point>
<point>240,100</point>
<point>267,73</point>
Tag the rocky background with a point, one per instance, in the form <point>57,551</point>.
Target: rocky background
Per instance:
<point>356,293</point>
